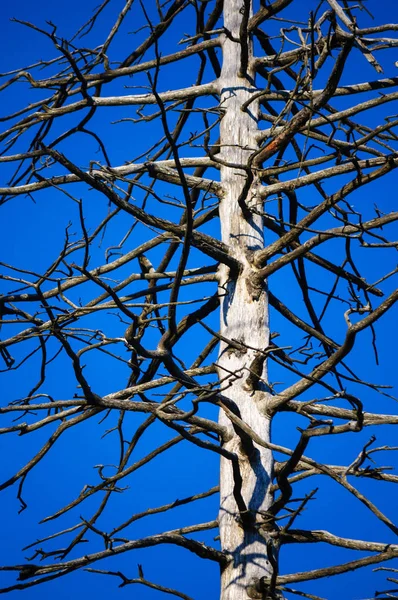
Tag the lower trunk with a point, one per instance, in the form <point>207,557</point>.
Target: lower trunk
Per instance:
<point>241,533</point>
<point>245,481</point>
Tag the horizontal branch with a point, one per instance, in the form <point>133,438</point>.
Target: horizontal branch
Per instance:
<point>175,537</point>
<point>325,410</point>
<point>171,176</point>
<point>302,536</point>
<point>93,79</point>
<point>338,569</point>
<point>346,90</point>
<point>110,173</point>
<point>48,112</point>
<point>346,167</point>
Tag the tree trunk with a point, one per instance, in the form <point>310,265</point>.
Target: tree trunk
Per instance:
<point>244,319</point>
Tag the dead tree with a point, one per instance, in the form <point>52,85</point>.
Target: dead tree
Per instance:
<point>266,166</point>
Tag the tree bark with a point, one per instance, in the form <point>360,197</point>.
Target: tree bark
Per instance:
<point>244,491</point>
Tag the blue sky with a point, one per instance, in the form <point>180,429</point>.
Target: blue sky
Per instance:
<point>32,235</point>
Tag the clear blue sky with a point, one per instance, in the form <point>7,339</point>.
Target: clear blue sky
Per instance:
<point>29,232</point>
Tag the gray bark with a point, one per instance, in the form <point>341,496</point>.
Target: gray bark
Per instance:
<point>244,318</point>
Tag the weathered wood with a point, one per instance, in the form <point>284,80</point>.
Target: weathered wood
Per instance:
<point>244,317</point>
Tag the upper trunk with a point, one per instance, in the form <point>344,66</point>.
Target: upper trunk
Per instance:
<point>244,319</point>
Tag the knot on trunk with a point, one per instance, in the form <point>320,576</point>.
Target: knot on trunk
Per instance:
<point>256,373</point>
<point>261,589</point>
<point>256,285</point>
